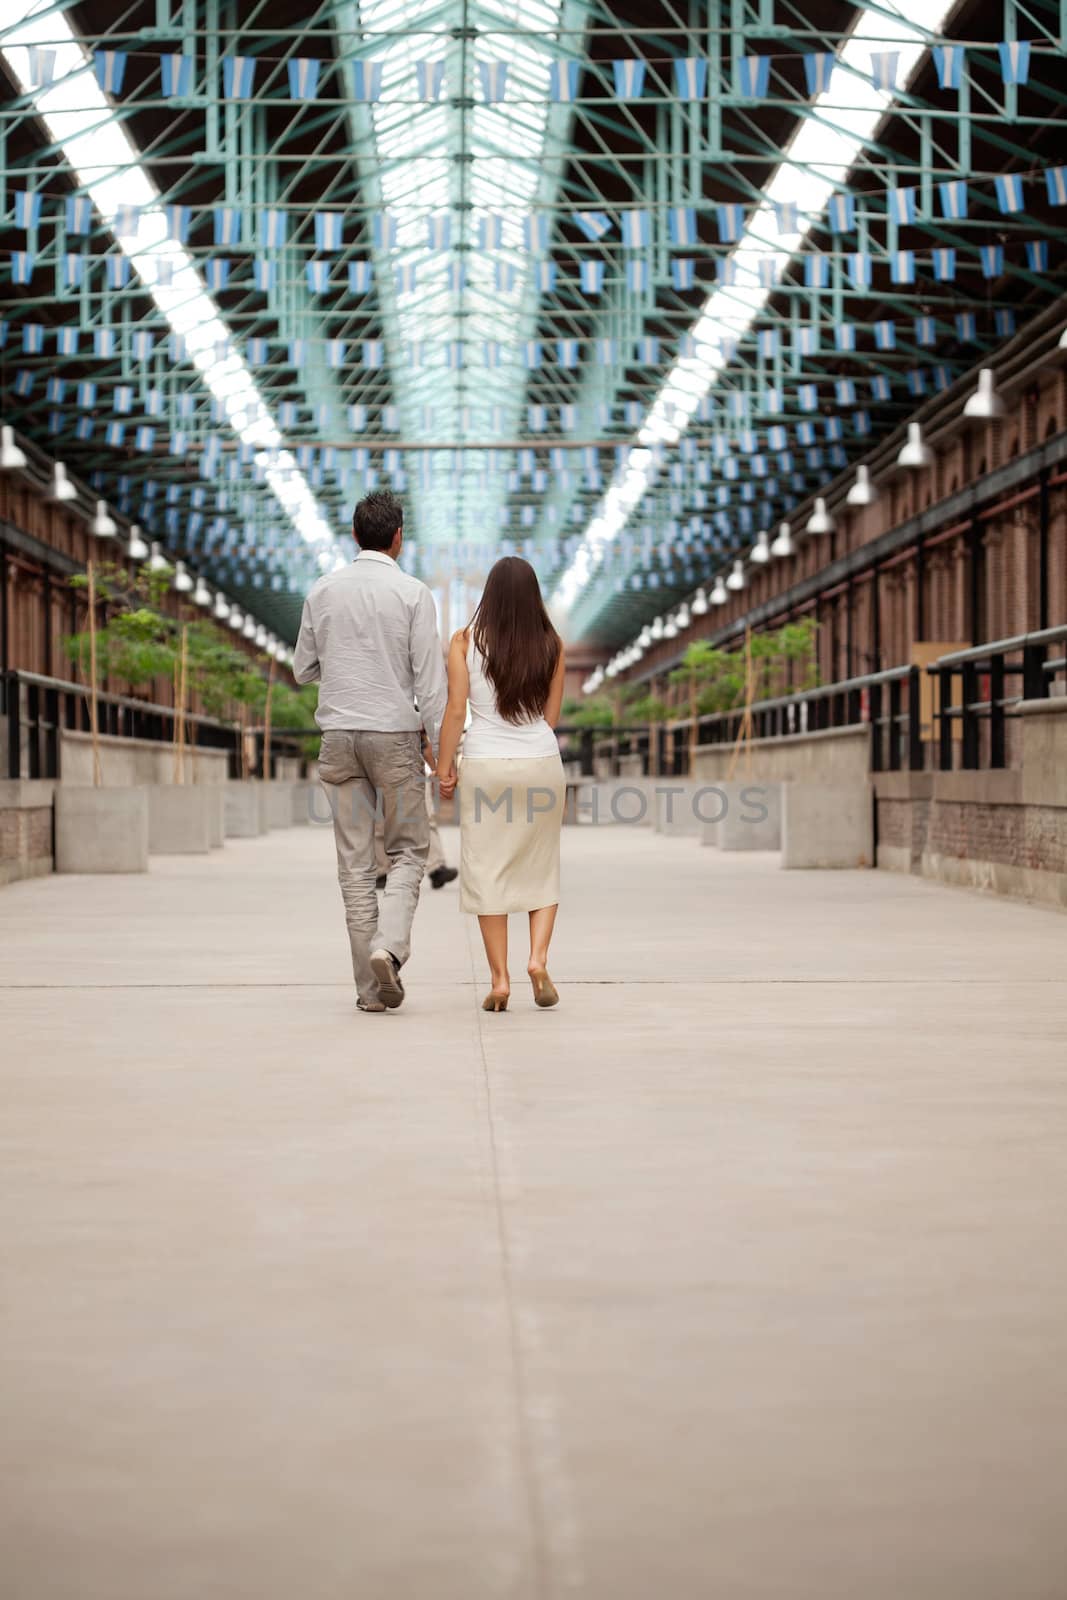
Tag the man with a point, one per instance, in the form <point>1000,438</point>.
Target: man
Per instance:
<point>369,637</point>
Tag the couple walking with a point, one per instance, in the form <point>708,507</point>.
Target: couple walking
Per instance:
<point>369,638</point>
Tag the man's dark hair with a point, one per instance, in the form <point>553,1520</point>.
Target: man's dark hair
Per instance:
<point>376,520</point>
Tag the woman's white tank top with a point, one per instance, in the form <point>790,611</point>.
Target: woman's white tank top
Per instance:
<point>491,735</point>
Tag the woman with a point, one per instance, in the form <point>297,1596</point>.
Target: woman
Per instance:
<point>508,664</point>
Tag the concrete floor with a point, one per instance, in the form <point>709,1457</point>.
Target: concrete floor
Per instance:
<point>742,1275</point>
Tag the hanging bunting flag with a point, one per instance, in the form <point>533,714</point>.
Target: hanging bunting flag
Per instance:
<point>114,434</point>
<point>1004,322</point>
<point>227,225</point>
<point>841,213</point>
<point>123,399</point>
<point>329,231</point>
<point>818,71</point>
<point>304,78</point>
<point>73,271</point>
<point>531,354</point>
<point>456,276</point>
<point>563,81</point>
<point>491,231</point>
<point>264,275</point>
<point>33,340</point>
<point>360,276</point>
<point>638,275</point>
<point>79,213</point>
<point>786,216</point>
<point>731,222</point>
<point>806,340</point>
<point>429,79</point>
<point>726,273</point>
<point>953,197</point>
<point>902,266</point>
<point>104,343</point>
<point>845,392</point>
<point>767,343</point>
<point>217,273</point>
<point>318,276</point>
<point>40,66</point>
<point>948,59</point>
<point>916,381</point>
<point>817,272</point>
<point>592,279</point>
<point>1014,60</point>
<point>546,276</point>
<point>1009,187</point>
<point>439,231</point>
<point>682,224</point>
<point>859,271</point>
<point>118,271</point>
<point>885,335</point>
<point>366,80</point>
<point>110,69</point>
<point>606,355</point>
<point>629,77</point>
<point>925,331</point>
<point>177,223</point>
<point>373,353</point>
<point>1037,255</point>
<point>273,229</point>
<point>22,264</point>
<point>691,77</point>
<point>85,395</point>
<point>492,353</point>
<point>594,224</point>
<point>753,77</point>
<point>493,76</point>
<point>683,272</point>
<point>884,64</point>
<point>258,352</point>
<point>1055,183</point>
<point>636,230</point>
<point>567,353</point>
<point>177,76</point>
<point>504,274</point>
<point>383,229</point>
<point>238,77</point>
<point>902,205</point>
<point>880,389</point>
<point>769,268</point>
<point>992,259</point>
<point>357,419</point>
<point>27,208</point>
<point>127,220</point>
<point>454,354</point>
<point>944,264</point>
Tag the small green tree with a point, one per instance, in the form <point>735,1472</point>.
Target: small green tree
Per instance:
<point>592,711</point>
<point>135,640</point>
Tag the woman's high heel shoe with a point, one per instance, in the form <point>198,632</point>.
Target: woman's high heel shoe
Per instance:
<point>544,990</point>
<point>495,1002</point>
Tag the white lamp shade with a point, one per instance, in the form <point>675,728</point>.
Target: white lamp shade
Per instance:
<point>645,637</point>
<point>249,629</point>
<point>11,457</point>
<point>261,636</point>
<point>222,609</point>
<point>915,453</point>
<point>761,550</point>
<point>985,403</point>
<point>820,520</point>
<point>783,541</point>
<point>863,491</point>
<point>657,628</point>
<point>201,594</point>
<point>719,596</point>
<point>157,561</point>
<point>700,603</point>
<point>62,488</point>
<point>182,581</point>
<point>136,549</point>
<point>736,579</point>
<point>236,619</point>
<point>670,630</point>
<point>682,618</point>
<point>103,526</point>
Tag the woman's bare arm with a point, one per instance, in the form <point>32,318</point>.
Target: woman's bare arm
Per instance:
<point>455,712</point>
<point>554,703</point>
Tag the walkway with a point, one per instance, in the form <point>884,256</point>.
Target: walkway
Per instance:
<point>740,1276</point>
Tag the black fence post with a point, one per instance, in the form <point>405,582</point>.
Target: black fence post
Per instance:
<point>877,748</point>
<point>996,711</point>
<point>586,748</point>
<point>894,725</point>
<point>14,726</point>
<point>915,732</point>
<point>969,753</point>
<point>944,713</point>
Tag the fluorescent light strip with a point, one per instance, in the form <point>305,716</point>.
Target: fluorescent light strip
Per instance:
<point>107,165</point>
<point>816,161</point>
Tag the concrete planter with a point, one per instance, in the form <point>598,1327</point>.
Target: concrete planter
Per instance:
<point>741,814</point>
<point>101,830</point>
<point>215,797</point>
<point>302,803</point>
<point>179,819</point>
<point>277,800</point>
<point>243,810</point>
<point>616,802</point>
<point>675,811</point>
<point>828,827</point>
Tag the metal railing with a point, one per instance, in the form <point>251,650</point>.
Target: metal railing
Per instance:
<point>39,709</point>
<point>992,680</point>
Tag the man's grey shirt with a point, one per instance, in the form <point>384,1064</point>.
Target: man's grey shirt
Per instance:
<point>369,637</point>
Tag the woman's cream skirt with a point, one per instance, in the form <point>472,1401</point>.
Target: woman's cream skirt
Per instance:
<point>510,812</point>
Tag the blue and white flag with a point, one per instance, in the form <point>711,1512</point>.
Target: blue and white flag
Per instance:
<point>817,271</point>
<point>768,268</point>
<point>629,77</point>
<point>926,331</point>
<point>217,273</point>
<point>429,79</point>
<point>916,381</point>
<point>884,65</point>
<point>491,231</point>
<point>953,197</point>
<point>329,231</point>
<point>318,276</point>
<point>753,77</point>
<point>504,276</point>
<point>40,66</point>
<point>806,340</point>
<point>902,266</point>
<point>493,76</point>
<point>127,220</point>
<point>273,229</point>
<point>536,418</point>
<point>357,418</point>
<point>841,213</point>
<point>439,231</point>
<point>992,259</point>
<point>383,230</point>
<point>373,353</point>
<point>33,339</point>
<point>85,395</point>
<point>902,205</point>
<point>531,354</point>
<point>304,77</point>
<point>786,216</point>
<point>636,229</point>
<point>22,264</point>
<point>114,434</point>
<point>27,208</point>
<point>607,351</point>
<point>682,225</point>
<point>454,354</point>
<point>691,77</point>
<point>948,59</point>
<point>859,271</point>
<point>1009,187</point>
<point>683,272</point>
<point>845,391</point>
<point>227,225</point>
<point>563,81</point>
<point>1004,322</point>
<point>594,224</point>
<point>456,276</point>
<point>122,401</point>
<point>818,71</point>
<point>568,353</point>
<point>258,352</point>
<point>79,213</point>
<point>885,336</point>
<point>731,222</point>
<point>264,275</point>
<point>177,223</point>
<point>145,439</point>
<point>592,279</point>
<point>638,275</point>
<point>366,80</point>
<point>647,350</point>
<point>118,271</point>
<point>238,77</point>
<point>1055,183</point>
<point>492,354</point>
<point>880,389</point>
<point>1037,255</point>
<point>726,273</point>
<point>110,69</point>
<point>767,343</point>
<point>944,264</point>
<point>73,271</point>
<point>1014,60</point>
<point>535,233</point>
<point>177,75</point>
<point>104,343</point>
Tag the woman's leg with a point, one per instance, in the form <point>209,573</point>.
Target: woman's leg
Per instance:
<point>542,923</point>
<point>495,939</point>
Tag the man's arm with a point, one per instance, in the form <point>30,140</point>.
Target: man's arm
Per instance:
<point>428,667</point>
<point>306,667</point>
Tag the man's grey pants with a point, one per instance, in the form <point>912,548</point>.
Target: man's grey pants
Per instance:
<point>367,774</point>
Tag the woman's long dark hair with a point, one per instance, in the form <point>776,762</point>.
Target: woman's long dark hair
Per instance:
<point>518,642</point>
